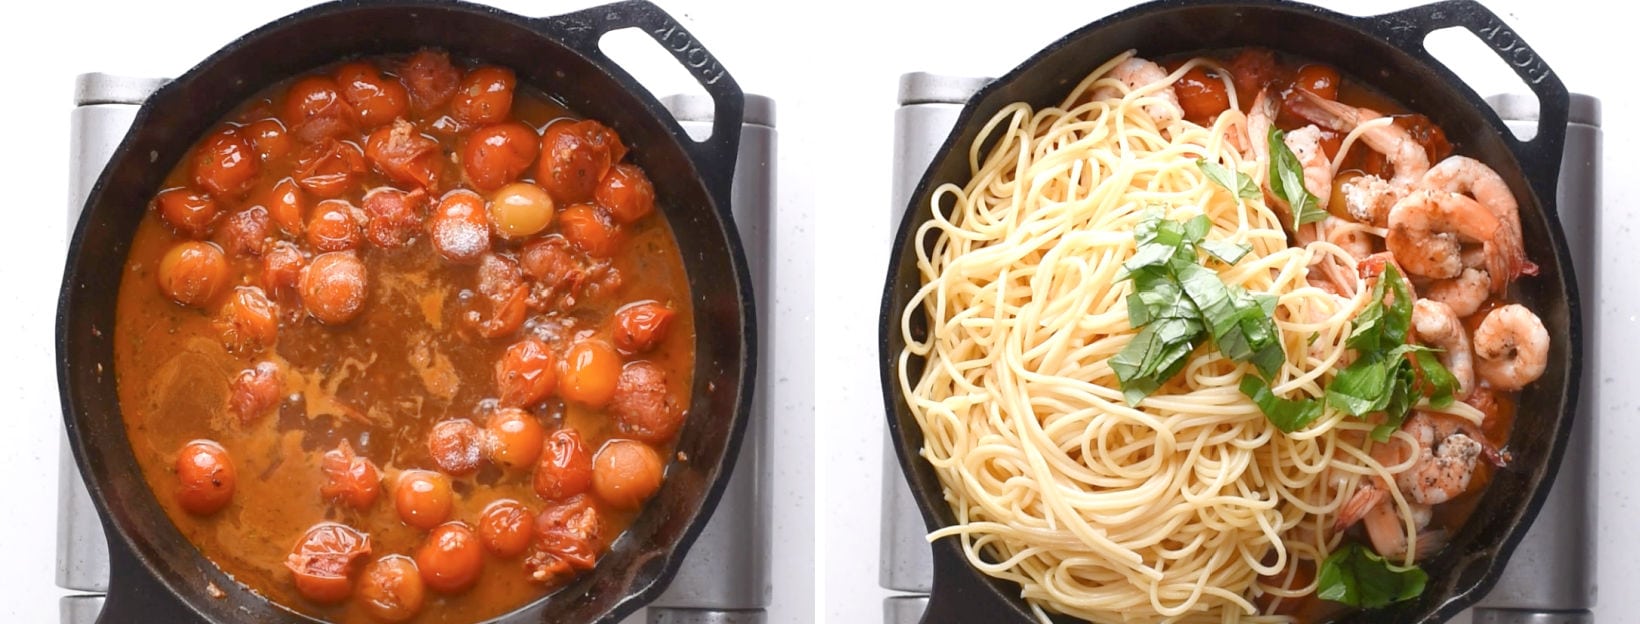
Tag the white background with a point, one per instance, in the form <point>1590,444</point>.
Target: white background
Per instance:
<point>832,67</point>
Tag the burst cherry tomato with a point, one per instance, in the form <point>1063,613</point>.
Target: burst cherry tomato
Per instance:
<point>643,407</point>
<point>193,273</point>
<point>565,468</point>
<point>349,479</point>
<point>455,446</point>
<point>450,559</point>
<point>567,539</point>
<point>590,229</point>
<point>191,214</point>
<point>406,156</point>
<point>206,477</point>
<point>255,390</point>
<point>315,110</point>
<point>514,437</point>
<point>323,559</point>
<point>626,194</point>
<point>430,79</point>
<point>574,158</point>
<point>642,325</point>
<point>506,527</point>
<point>497,154</point>
<point>333,287</point>
<point>225,164</point>
<point>423,498</point>
<point>244,233</point>
<point>329,168</point>
<point>375,100</point>
<point>391,589</point>
<point>393,217</point>
<point>526,373</point>
<point>485,96</point>
<point>248,322</point>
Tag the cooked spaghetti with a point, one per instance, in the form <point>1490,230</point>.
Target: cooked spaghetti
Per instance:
<point>1188,504</point>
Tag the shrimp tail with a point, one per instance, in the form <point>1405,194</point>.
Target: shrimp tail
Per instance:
<point>1366,497</point>
<point>1429,542</point>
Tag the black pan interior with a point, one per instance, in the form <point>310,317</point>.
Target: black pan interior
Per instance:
<point>1385,52</point>
<point>693,200</point>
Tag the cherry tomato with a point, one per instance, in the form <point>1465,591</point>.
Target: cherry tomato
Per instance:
<point>349,479</point>
<point>1202,95</point>
<point>574,158</point>
<point>643,408</point>
<point>430,79</point>
<point>190,214</point>
<point>255,390</point>
<point>287,205</point>
<point>393,217</point>
<point>506,527</point>
<point>497,154</point>
<point>520,209</point>
<point>225,165</point>
<point>568,538</point>
<point>455,446</point>
<point>503,300</point>
<point>626,194</point>
<point>551,262</point>
<point>374,99</point>
<point>1321,80</point>
<point>422,498</point>
<point>460,227</point>
<point>329,168</point>
<point>391,589</point>
<point>315,110</point>
<point>244,233</point>
<point>640,326</point>
<point>281,272</point>
<point>406,156</point>
<point>1253,69</point>
<point>485,96</point>
<point>514,437</point>
<point>269,138</point>
<point>192,273</point>
<point>565,468</point>
<point>526,373</point>
<point>590,370</point>
<point>626,473</point>
<point>450,559</point>
<point>248,321</point>
<point>206,477</point>
<point>333,287</point>
<point>590,229</point>
<point>322,561</point>
<point>334,227</point>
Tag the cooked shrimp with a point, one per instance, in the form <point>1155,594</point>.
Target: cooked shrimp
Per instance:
<point>1512,347</point>
<point>1368,199</point>
<point>1464,293</point>
<point>1408,157</point>
<point>1427,229</point>
<point>1446,459</point>
<point>1438,326</point>
<point>1373,266</point>
<point>1260,117</point>
<point>1138,73</point>
<point>1388,535</point>
<point>1462,174</point>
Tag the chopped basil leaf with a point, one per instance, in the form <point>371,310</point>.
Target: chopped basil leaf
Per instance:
<point>1287,182</point>
<point>1243,185</point>
<point>1358,577</point>
<point>1287,415</point>
<point>1225,251</point>
<point>1442,384</point>
<point>1361,388</point>
<point>1381,327</point>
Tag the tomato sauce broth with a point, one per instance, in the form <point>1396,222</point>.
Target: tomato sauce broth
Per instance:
<point>409,360</point>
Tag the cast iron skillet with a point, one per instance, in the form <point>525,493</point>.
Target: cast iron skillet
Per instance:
<point>1388,52</point>
<point>157,576</point>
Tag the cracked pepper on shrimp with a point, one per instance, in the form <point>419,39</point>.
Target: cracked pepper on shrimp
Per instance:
<point>1225,338</point>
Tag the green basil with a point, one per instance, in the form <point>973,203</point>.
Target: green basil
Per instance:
<point>1287,182</point>
<point>1358,577</point>
<point>1288,415</point>
<point>1234,181</point>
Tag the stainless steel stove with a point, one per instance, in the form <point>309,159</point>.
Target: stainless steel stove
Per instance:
<point>725,577</point>
<point>1550,578</point>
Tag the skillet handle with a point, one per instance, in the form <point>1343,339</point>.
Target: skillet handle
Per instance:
<point>1540,157</point>
<point>715,156</point>
<point>134,595</point>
